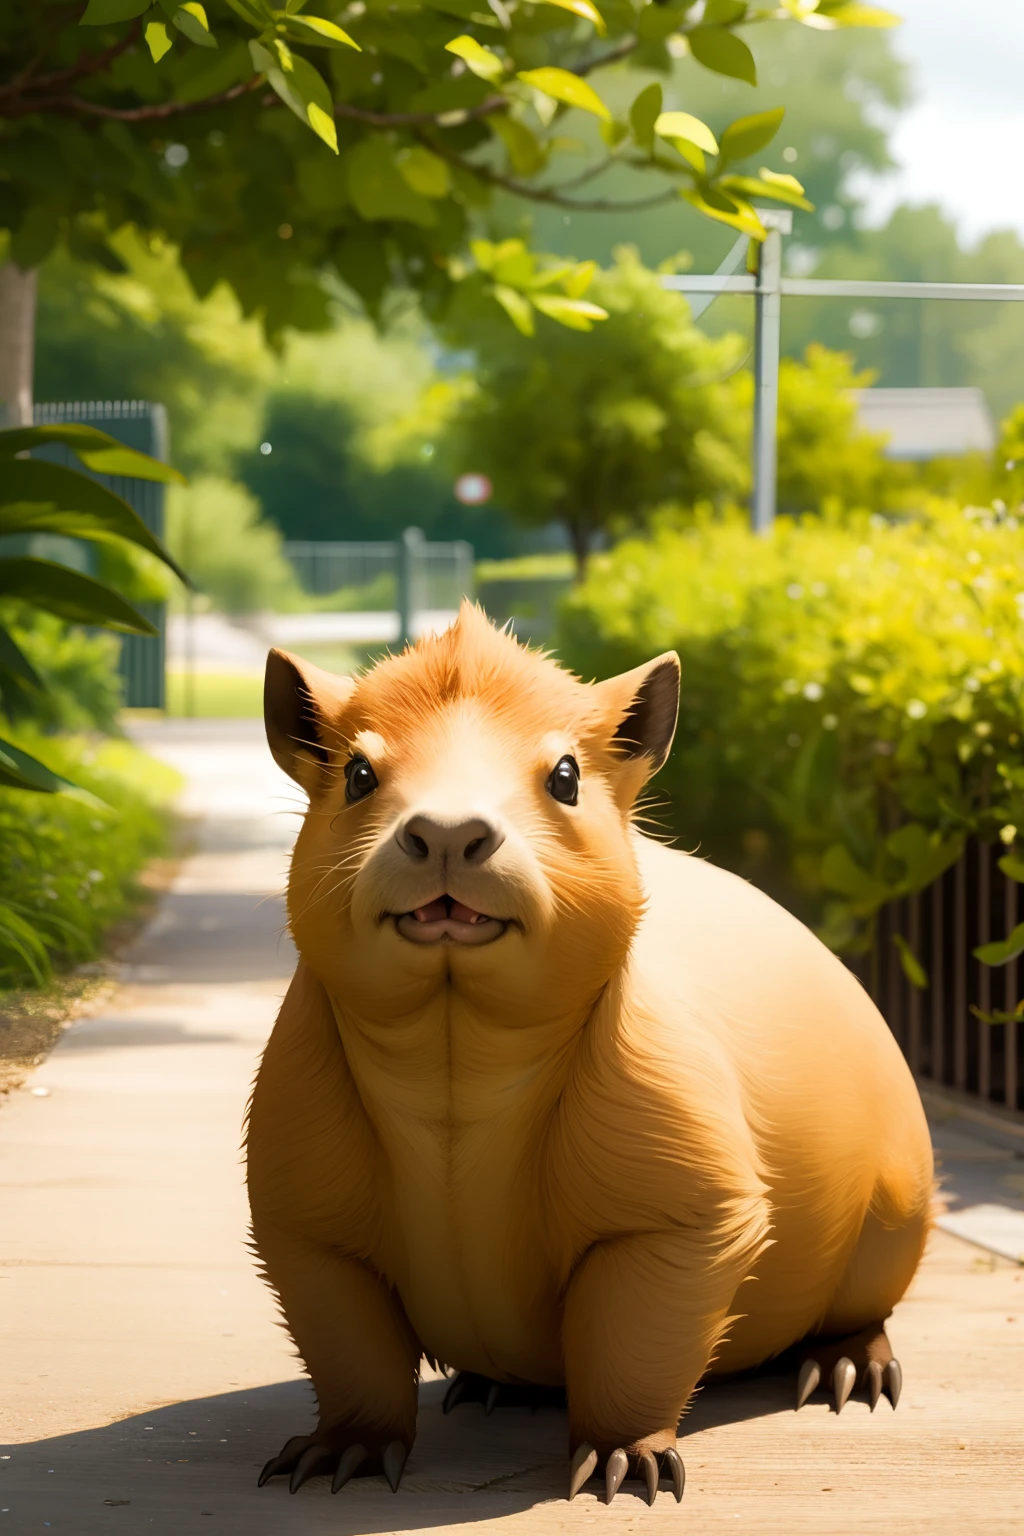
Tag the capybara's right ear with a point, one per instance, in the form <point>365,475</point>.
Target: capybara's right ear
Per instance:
<point>302,709</point>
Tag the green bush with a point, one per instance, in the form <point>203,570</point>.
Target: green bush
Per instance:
<point>852,694</point>
<point>78,667</point>
<point>69,862</point>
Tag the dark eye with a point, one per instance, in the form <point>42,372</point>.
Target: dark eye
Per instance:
<point>564,783</point>
<point>360,779</point>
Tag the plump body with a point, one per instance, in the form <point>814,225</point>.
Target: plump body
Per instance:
<point>706,1151</point>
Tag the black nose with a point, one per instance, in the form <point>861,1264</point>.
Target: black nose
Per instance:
<point>472,839</point>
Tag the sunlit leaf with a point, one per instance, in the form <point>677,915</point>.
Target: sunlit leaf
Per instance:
<point>525,151</point>
<point>320,32</point>
<point>577,314</point>
<point>1002,951</point>
<point>913,970</point>
<point>563,86</point>
<point>157,40</point>
<point>479,59</point>
<point>516,306</point>
<point>682,125</point>
<point>581,8</point>
<point>190,19</point>
<point>425,172</point>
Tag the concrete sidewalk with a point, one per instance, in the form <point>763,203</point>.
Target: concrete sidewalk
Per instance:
<point>144,1378</point>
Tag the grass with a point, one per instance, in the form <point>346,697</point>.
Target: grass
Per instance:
<point>70,863</point>
<point>215,695</point>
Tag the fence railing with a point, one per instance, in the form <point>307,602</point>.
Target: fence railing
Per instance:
<point>411,575</point>
<point>936,1026</point>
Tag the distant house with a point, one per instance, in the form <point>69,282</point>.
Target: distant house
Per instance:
<point>926,424</point>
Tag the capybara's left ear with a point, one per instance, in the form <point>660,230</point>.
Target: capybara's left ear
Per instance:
<point>642,708</point>
<point>302,710</point>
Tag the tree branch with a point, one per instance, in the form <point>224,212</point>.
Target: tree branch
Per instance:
<point>552,195</point>
<point>85,64</point>
<point>67,106</point>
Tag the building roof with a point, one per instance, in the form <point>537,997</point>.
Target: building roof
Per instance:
<point>928,423</point>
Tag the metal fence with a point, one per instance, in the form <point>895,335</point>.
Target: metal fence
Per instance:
<point>937,1026</point>
<point>141,425</point>
<point>411,575</point>
<point>767,287</point>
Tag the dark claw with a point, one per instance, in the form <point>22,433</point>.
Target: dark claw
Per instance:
<point>844,1378</point>
<point>873,1382</point>
<point>807,1381</point>
<point>285,1461</point>
<point>456,1392</point>
<point>614,1472</point>
<point>581,1467</point>
<point>493,1393</point>
<point>395,1458</point>
<point>672,1463</point>
<point>317,1459</point>
<point>893,1381</point>
<point>647,1468</point>
<point>351,1460</point>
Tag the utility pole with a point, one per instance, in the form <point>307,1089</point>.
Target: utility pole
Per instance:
<point>767,344</point>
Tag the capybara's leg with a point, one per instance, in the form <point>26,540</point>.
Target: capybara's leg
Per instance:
<point>361,1355</point>
<point>642,1318</point>
<point>851,1345</point>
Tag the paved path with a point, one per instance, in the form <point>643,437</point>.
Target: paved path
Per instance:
<point>144,1379</point>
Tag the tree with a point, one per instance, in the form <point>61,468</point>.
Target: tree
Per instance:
<point>598,436</point>
<point>267,171</point>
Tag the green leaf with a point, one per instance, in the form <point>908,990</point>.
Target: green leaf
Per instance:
<point>724,12</point>
<point>19,935</point>
<point>753,186</point>
<point>913,970</point>
<point>576,314</point>
<point>581,8</point>
<point>525,151</point>
<point>301,87</point>
<point>18,770</point>
<point>425,172</point>
<point>562,86</point>
<point>190,19</point>
<point>924,855</point>
<point>1012,867</point>
<point>657,22</point>
<point>516,307</point>
<point>479,59</point>
<point>840,872</point>
<point>726,210</point>
<point>100,13</point>
<point>748,135</point>
<point>14,662</point>
<point>1003,950</point>
<point>48,498</point>
<point>318,32</point>
<point>379,190</point>
<point>97,450</point>
<point>682,125</point>
<point>71,596</point>
<point>722,51</point>
<point>644,113</point>
<point>157,40</point>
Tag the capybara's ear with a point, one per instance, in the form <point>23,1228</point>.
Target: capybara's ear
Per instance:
<point>642,708</point>
<point>302,709</point>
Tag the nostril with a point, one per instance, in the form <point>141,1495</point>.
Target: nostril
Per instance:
<point>474,847</point>
<point>418,848</point>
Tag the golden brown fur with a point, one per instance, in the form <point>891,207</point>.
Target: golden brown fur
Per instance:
<point>654,1129</point>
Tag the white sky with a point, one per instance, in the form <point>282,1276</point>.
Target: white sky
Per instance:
<point>962,142</point>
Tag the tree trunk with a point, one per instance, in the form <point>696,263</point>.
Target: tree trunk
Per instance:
<point>17,343</point>
<point>579,538</point>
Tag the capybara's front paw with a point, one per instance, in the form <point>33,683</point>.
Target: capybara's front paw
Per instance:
<point>635,1460</point>
<point>343,1453</point>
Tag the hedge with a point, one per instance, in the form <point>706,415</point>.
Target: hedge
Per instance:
<point>852,705</point>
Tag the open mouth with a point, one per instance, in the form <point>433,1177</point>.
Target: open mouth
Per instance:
<point>451,920</point>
